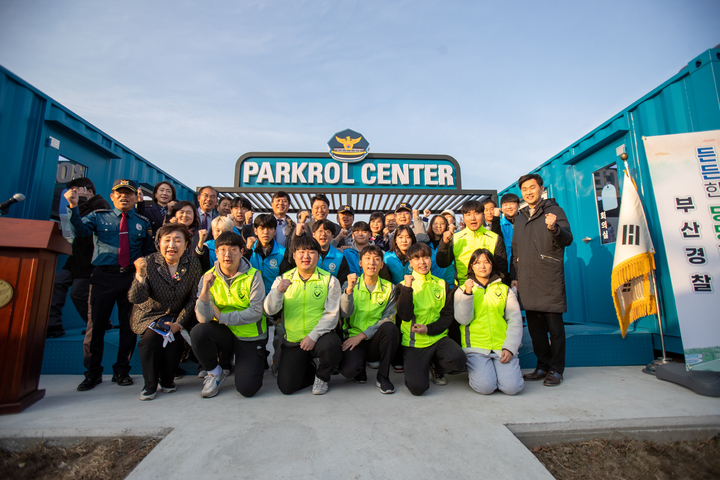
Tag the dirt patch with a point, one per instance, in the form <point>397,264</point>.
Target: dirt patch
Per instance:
<point>106,459</point>
<point>632,459</point>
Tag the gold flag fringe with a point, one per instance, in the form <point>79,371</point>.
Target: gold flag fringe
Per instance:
<point>637,266</point>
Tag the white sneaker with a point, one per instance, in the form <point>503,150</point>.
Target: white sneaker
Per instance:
<point>373,365</point>
<point>320,387</point>
<point>211,384</point>
<point>172,388</point>
<point>145,395</point>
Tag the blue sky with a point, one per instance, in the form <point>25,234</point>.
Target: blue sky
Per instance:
<point>500,86</point>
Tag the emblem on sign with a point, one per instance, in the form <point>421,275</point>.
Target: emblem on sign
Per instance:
<point>348,146</point>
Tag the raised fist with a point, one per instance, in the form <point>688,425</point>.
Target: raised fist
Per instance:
<point>416,213</point>
<point>447,236</point>
<point>72,197</point>
<point>451,228</point>
<point>303,216</point>
<point>408,280</point>
<point>208,280</point>
<point>141,266</point>
<point>202,235</point>
<point>469,286</point>
<point>250,242</point>
<point>550,220</point>
<point>351,280</point>
<point>249,217</point>
<point>283,285</point>
<point>427,213</point>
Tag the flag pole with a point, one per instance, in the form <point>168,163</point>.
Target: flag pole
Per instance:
<point>650,367</point>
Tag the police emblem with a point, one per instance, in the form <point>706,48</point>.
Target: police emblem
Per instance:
<point>273,263</point>
<point>139,227</point>
<point>348,146</point>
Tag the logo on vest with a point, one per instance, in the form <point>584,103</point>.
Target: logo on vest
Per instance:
<point>317,293</point>
<point>381,302</point>
<point>273,263</point>
<point>498,294</point>
<point>332,267</point>
<point>437,292</point>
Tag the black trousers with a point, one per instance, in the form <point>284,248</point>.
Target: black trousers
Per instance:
<point>550,354</point>
<point>79,291</point>
<point>106,290</point>
<point>381,347</point>
<point>297,370</point>
<point>214,344</point>
<point>158,363</point>
<point>445,354</point>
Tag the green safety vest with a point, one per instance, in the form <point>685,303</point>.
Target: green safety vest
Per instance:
<point>488,328</point>
<point>237,297</point>
<point>429,294</point>
<point>304,303</point>
<point>465,242</point>
<point>369,306</point>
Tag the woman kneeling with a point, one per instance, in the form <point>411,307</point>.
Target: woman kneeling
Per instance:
<point>491,328</point>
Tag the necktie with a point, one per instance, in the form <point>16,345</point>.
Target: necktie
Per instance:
<point>124,245</point>
<point>206,225</point>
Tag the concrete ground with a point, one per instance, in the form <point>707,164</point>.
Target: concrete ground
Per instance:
<point>354,431</point>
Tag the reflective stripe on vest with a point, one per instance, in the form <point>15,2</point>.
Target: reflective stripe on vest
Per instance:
<point>332,261</point>
<point>488,328</point>
<point>465,243</point>
<point>429,294</point>
<point>237,297</point>
<point>368,306</point>
<point>304,303</point>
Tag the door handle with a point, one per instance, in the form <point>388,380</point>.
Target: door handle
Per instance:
<point>587,239</point>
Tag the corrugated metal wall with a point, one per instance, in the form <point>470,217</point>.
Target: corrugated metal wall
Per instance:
<point>28,118</point>
<point>688,102</point>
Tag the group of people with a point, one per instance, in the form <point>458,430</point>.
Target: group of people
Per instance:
<point>405,290</point>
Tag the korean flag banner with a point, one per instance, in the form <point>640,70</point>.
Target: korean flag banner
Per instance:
<point>634,261</point>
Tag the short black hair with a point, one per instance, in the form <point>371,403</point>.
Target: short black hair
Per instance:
<point>321,198</point>
<point>82,182</point>
<point>418,250</point>
<point>221,199</point>
<point>472,206</point>
<point>229,238</point>
<point>207,186</point>
<point>372,250</point>
<point>474,258</point>
<point>306,243</point>
<point>431,232</point>
<point>400,229</point>
<point>530,176</point>
<point>509,198</point>
<point>361,227</point>
<point>280,194</point>
<point>241,202</point>
<point>377,216</point>
<point>157,186</point>
<point>173,227</point>
<point>489,200</point>
<point>265,220</point>
<point>326,224</point>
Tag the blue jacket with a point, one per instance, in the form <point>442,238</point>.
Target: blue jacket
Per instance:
<point>398,270</point>
<point>507,232</point>
<point>269,266</point>
<point>105,226</point>
<point>446,273</point>
<point>353,258</point>
<point>332,261</point>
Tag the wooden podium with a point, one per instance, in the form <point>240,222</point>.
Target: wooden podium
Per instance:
<point>28,258</point>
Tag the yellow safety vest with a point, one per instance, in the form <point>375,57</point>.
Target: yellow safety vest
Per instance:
<point>465,242</point>
<point>429,294</point>
<point>488,328</point>
<point>237,297</point>
<point>304,303</point>
<point>369,306</point>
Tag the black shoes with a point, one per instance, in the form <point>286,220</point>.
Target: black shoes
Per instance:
<point>89,383</point>
<point>553,379</point>
<point>361,377</point>
<point>536,375</point>
<point>55,332</point>
<point>122,379</point>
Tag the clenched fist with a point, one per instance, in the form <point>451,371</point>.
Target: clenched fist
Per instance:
<point>352,281</point>
<point>283,285</point>
<point>550,220</point>
<point>72,197</point>
<point>469,284</point>
<point>251,242</point>
<point>208,280</point>
<point>447,236</point>
<point>408,280</point>
<point>202,235</point>
<point>141,267</point>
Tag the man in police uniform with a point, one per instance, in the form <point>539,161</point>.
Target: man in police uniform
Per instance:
<point>121,237</point>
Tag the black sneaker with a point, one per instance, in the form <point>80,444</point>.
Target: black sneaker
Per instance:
<point>361,377</point>
<point>89,383</point>
<point>385,385</point>
<point>122,379</point>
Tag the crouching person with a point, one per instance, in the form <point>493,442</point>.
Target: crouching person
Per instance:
<point>229,309</point>
<point>491,327</point>
<point>163,293</point>
<point>368,307</point>
<point>425,308</point>
<point>310,300</point>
